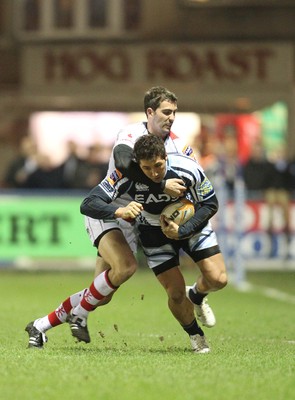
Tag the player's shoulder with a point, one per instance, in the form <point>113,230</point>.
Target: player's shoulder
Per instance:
<point>180,145</point>
<point>184,162</point>
<point>133,130</point>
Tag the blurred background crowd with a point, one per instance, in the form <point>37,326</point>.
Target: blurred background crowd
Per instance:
<point>31,169</point>
<point>270,176</point>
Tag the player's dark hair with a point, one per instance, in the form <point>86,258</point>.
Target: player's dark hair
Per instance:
<point>154,97</point>
<point>149,147</point>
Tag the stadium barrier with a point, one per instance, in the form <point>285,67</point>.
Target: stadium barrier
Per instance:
<point>40,229</point>
<point>242,226</point>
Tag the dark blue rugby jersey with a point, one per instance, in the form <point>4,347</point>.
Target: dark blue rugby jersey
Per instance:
<point>98,204</point>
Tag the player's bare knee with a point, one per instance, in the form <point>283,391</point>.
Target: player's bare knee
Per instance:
<point>220,282</point>
<point>130,270</point>
<point>223,280</point>
<point>126,271</point>
<point>177,296</point>
<point>132,267</point>
<point>216,282</point>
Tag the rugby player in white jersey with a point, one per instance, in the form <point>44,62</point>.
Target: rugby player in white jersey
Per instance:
<point>162,239</point>
<point>117,239</point>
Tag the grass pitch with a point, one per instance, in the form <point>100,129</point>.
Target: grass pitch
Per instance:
<point>138,350</point>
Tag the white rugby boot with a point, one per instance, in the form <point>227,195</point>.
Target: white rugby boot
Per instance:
<point>199,344</point>
<point>203,311</point>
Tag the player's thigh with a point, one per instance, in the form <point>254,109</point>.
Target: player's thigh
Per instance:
<point>213,268</point>
<point>173,282</point>
<point>115,251</point>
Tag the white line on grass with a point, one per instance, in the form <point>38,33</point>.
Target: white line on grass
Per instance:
<point>272,293</point>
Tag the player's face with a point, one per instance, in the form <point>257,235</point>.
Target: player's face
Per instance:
<point>154,169</point>
<point>160,120</point>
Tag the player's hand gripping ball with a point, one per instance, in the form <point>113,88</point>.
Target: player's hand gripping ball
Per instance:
<point>180,211</point>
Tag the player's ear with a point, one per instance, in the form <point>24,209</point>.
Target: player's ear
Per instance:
<point>149,111</point>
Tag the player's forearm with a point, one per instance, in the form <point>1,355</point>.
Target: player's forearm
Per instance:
<point>96,208</point>
<point>203,214</point>
<point>98,205</point>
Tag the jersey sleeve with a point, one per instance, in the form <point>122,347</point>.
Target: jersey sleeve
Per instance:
<point>200,192</point>
<point>98,204</point>
<point>200,186</point>
<point>203,212</point>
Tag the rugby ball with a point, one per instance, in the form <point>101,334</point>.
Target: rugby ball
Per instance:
<point>180,211</point>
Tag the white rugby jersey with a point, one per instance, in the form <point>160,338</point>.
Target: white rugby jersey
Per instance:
<point>129,134</point>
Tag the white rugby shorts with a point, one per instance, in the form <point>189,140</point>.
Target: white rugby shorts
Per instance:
<point>96,227</point>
